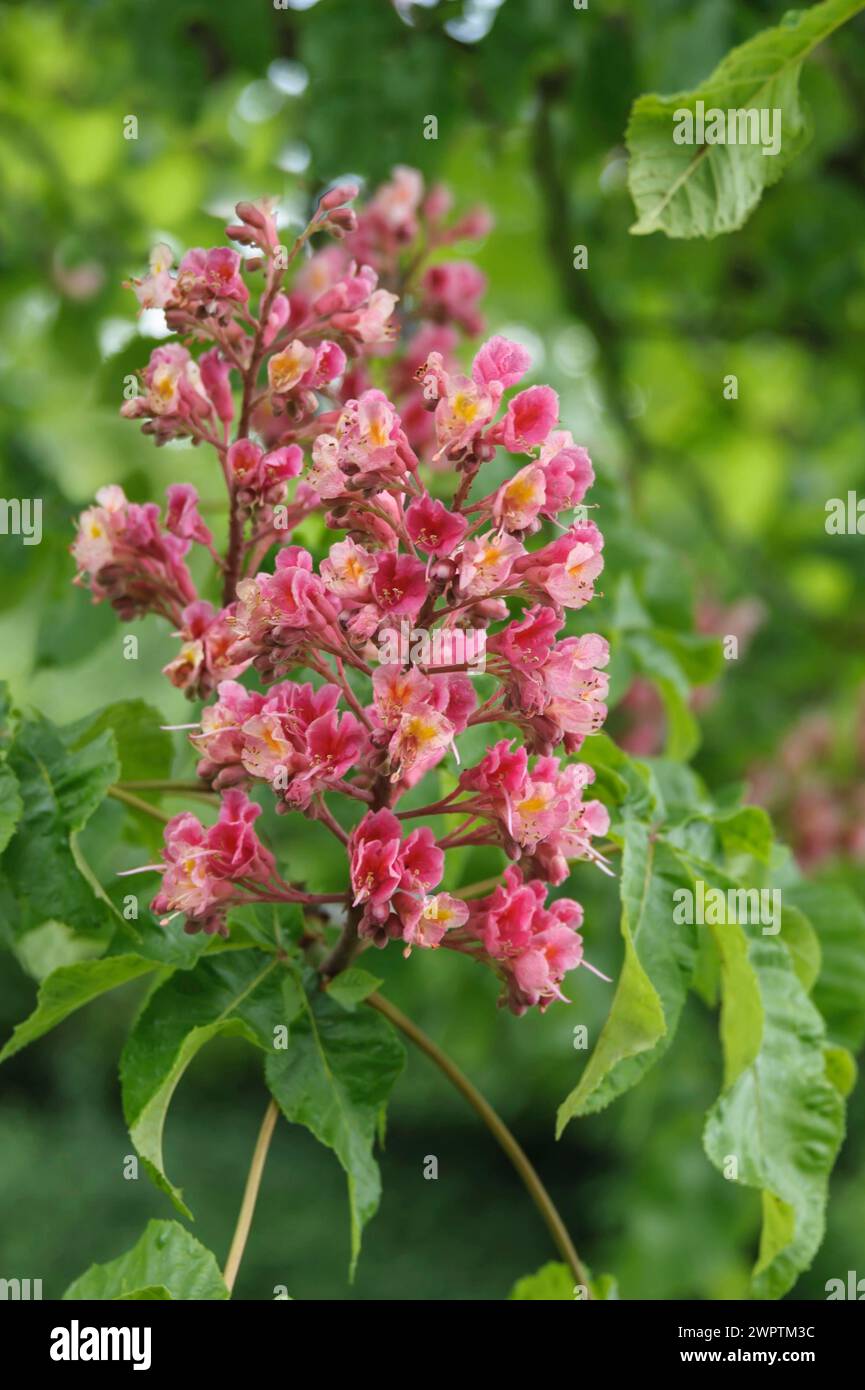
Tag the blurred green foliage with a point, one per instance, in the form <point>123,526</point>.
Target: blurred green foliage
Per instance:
<point>700,495</point>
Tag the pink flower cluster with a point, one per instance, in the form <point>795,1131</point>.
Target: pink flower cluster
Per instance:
<point>367,653</point>
<point>206,870</point>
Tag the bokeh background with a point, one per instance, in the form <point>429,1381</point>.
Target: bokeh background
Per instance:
<point>727,499</point>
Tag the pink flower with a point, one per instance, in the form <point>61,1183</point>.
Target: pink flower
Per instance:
<point>154,290</point>
<point>451,291</point>
<point>287,369</point>
<point>243,459</point>
<point>216,380</point>
<point>568,472</point>
<point>333,744</point>
<point>421,738</point>
<point>222,275</point>
<point>527,643</point>
<point>348,570</point>
<point>518,503</point>
<point>202,868</point>
<point>463,408</point>
<point>565,569</point>
<point>124,555</point>
<point>487,563</point>
<point>529,418</point>
<point>399,585</point>
<point>500,360</point>
<point>433,528</point>
<point>374,849</point>
<point>182,517</point>
<point>205,655</point>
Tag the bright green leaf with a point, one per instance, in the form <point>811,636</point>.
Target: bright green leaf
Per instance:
<point>689,190</point>
<point>660,958</point>
<point>783,1122</point>
<point>70,987</point>
<point>167,1262</point>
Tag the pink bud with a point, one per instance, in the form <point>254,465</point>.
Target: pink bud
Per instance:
<point>342,221</point>
<point>343,193</point>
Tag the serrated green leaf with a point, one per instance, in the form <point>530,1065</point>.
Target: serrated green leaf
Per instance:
<point>688,190</point>
<point>783,1121</point>
<point>167,1262</point>
<point>334,1078</point>
<point>235,993</point>
<point>60,788</point>
<point>68,989</point>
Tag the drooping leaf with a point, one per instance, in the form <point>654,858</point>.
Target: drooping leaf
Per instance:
<point>334,1078</point>
<point>782,1121</point>
<point>166,1263</point>
<point>741,1021</point>
<point>689,190</point>
<point>660,959</point>
<point>70,987</point>
<point>235,993</point>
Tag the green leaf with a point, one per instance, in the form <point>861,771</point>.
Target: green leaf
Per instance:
<point>654,657</point>
<point>335,1078</point>
<point>145,750</point>
<point>70,987</point>
<point>11,804</point>
<point>690,190</point>
<point>235,993</point>
<point>167,1262</point>
<point>741,1023</point>
<point>839,920</point>
<point>552,1283</point>
<point>660,959</point>
<point>151,1294</point>
<point>841,1069</point>
<point>352,986</point>
<point>783,1121</point>
<point>44,949</point>
<point>60,789</point>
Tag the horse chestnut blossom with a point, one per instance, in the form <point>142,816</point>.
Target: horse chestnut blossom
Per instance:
<point>326,378</point>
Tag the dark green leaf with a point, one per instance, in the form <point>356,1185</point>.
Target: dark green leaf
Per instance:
<point>335,1078</point>
<point>236,992</point>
